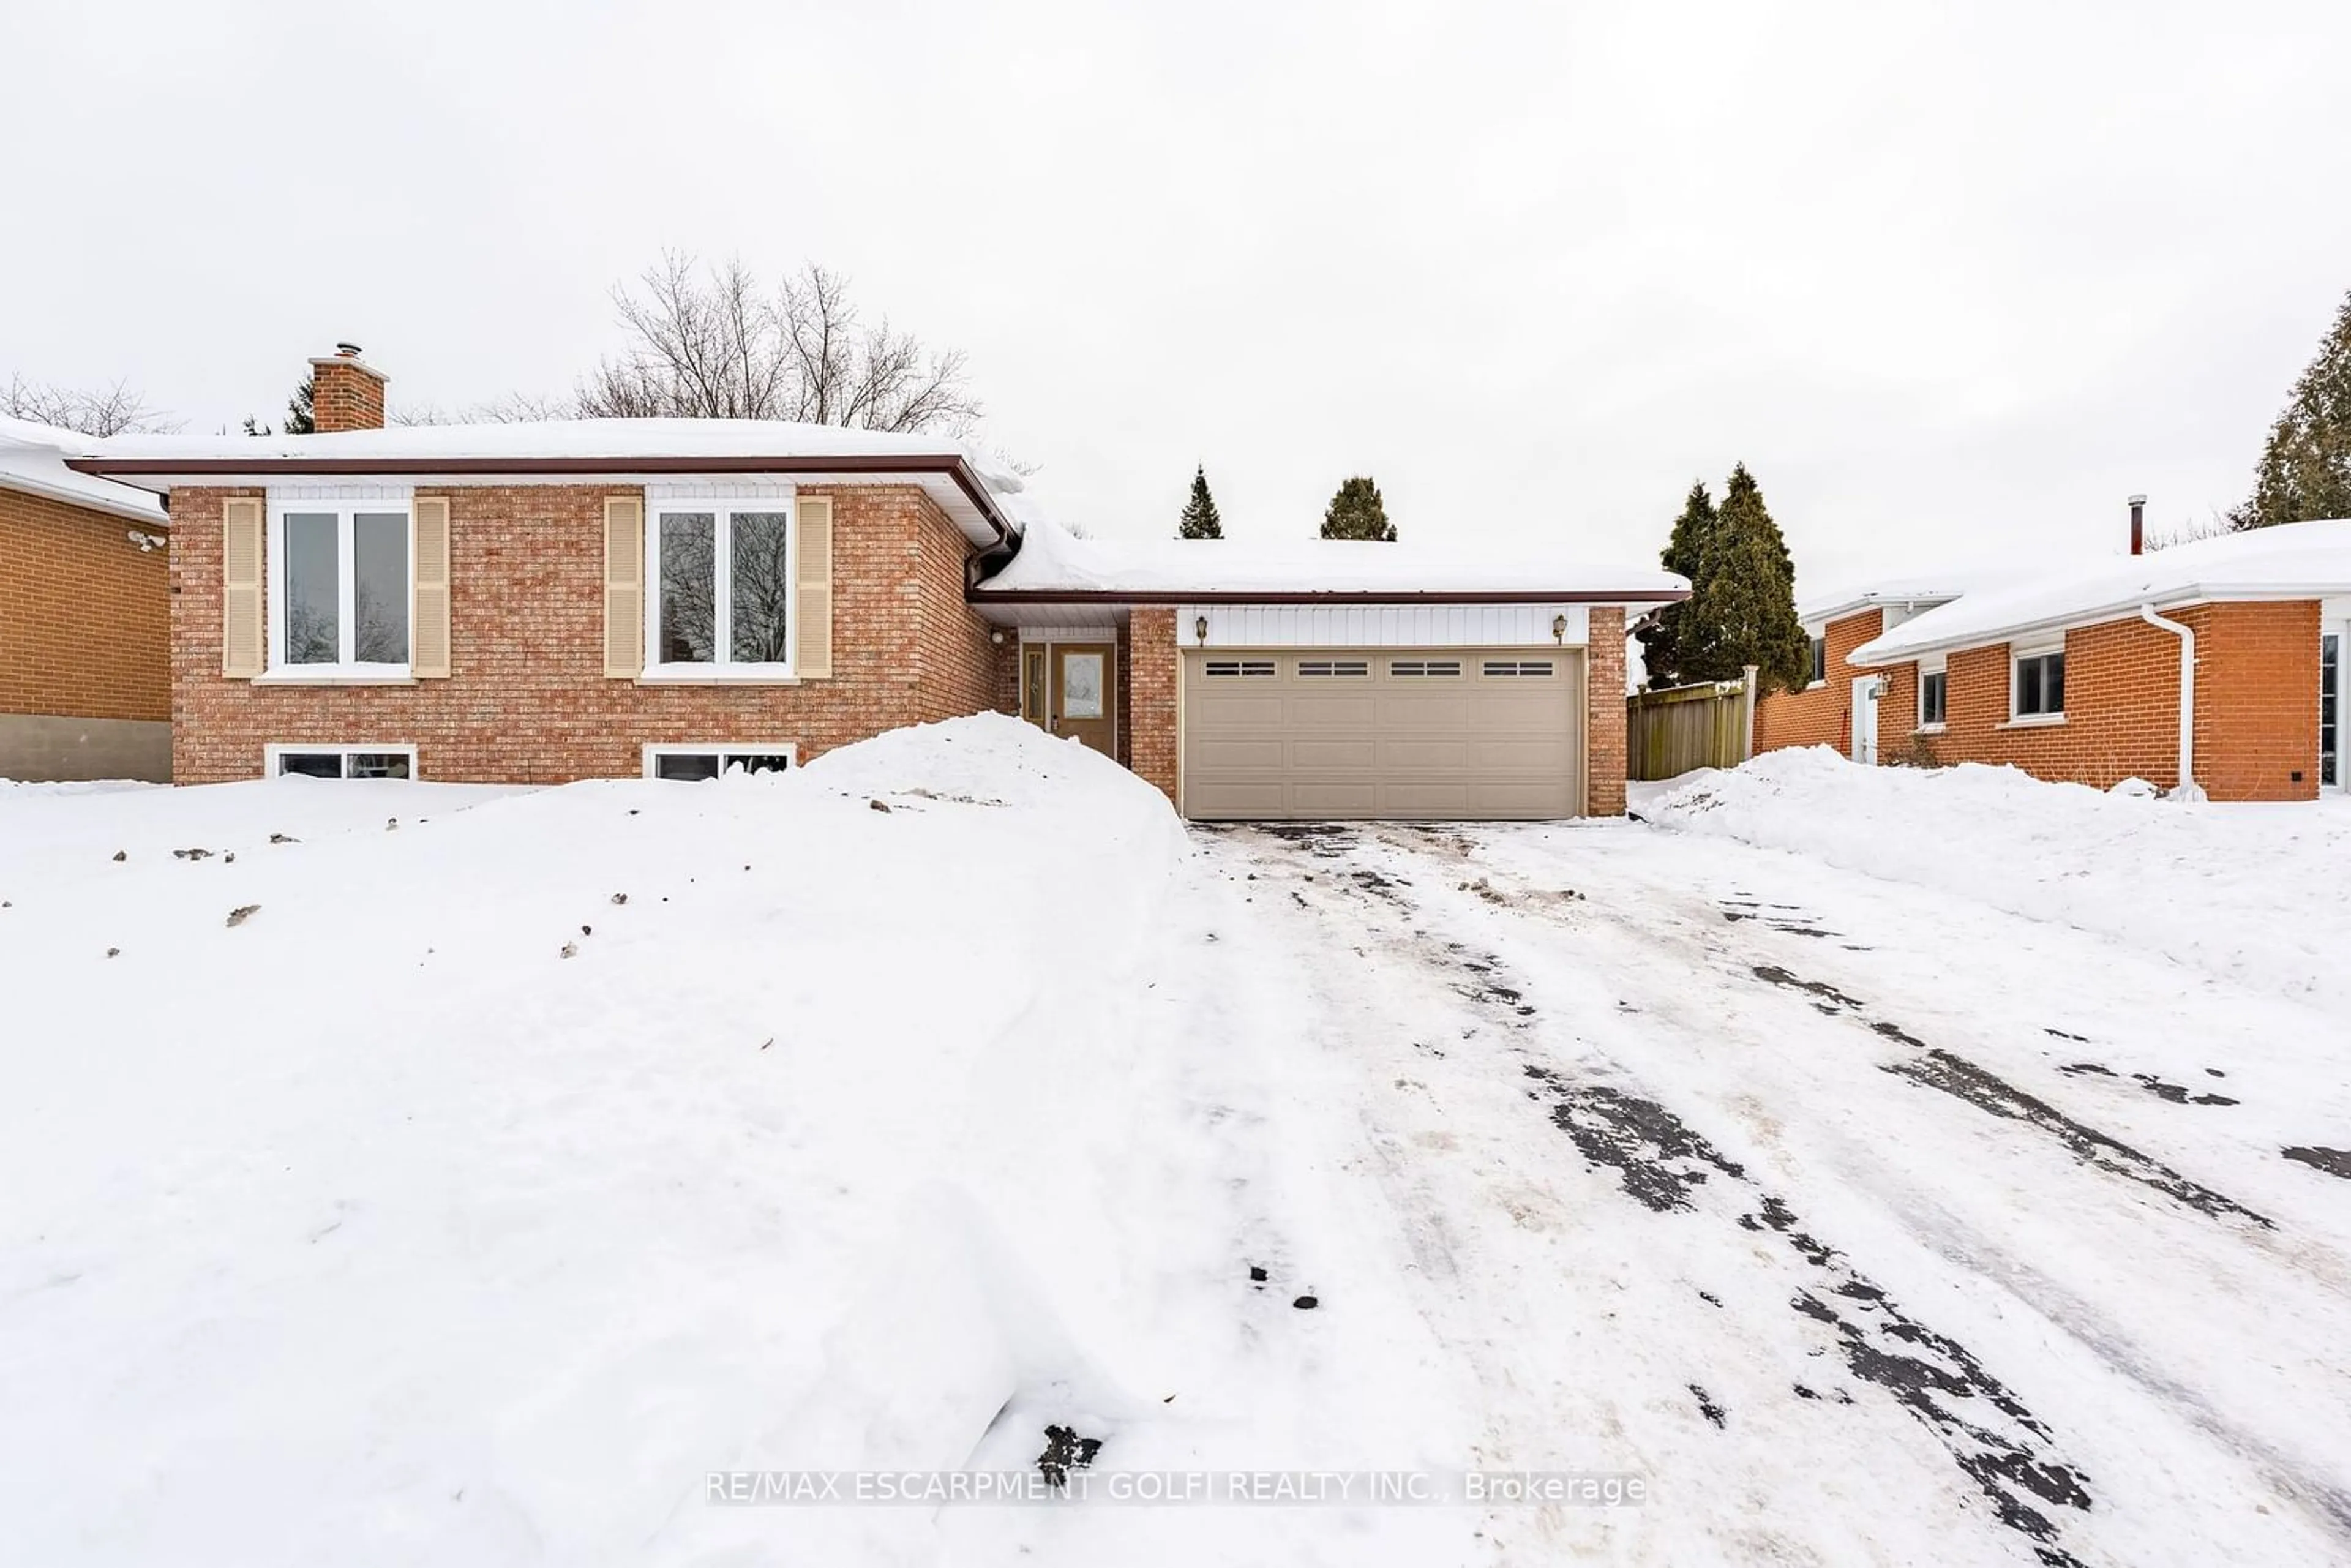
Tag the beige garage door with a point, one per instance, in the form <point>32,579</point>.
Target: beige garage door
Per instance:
<point>1435,733</point>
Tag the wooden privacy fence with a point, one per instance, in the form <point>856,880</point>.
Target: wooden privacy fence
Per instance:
<point>1670,732</point>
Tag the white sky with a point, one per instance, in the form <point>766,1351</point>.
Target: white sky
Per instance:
<point>1952,279</point>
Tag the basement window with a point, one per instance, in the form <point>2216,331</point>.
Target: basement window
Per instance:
<point>1226,668</point>
<point>340,761</point>
<point>1350,667</point>
<point>2037,687</point>
<point>692,764</point>
<point>1424,666</point>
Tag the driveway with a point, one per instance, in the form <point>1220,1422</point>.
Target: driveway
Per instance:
<point>1867,1223</point>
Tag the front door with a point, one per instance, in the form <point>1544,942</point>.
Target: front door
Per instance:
<point>1865,719</point>
<point>1084,698</point>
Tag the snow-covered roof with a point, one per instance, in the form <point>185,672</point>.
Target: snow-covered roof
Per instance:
<point>2295,560</point>
<point>33,461</point>
<point>969,484</point>
<point>1053,563</point>
<point>1916,590</point>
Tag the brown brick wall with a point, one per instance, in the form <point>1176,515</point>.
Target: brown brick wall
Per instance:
<point>85,614</point>
<point>527,700</point>
<point>1823,715</point>
<point>345,395</point>
<point>1603,707</point>
<point>1153,679</point>
<point>2256,704</point>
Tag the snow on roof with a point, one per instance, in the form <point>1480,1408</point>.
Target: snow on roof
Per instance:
<point>1925,588</point>
<point>1054,562</point>
<point>615,440</point>
<point>33,461</point>
<point>2294,560</point>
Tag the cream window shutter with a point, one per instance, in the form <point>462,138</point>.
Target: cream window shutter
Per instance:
<point>428,654</point>
<point>812,604</point>
<point>241,518</point>
<point>625,587</point>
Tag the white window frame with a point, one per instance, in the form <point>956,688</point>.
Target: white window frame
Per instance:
<point>345,503</point>
<point>2017,652</point>
<point>1816,657</point>
<point>722,667</point>
<point>1938,665</point>
<point>274,753</point>
<point>721,749</point>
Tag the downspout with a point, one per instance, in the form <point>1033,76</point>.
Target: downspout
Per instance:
<point>2187,789</point>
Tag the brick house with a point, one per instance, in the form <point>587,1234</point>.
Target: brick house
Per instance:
<point>540,602</point>
<point>85,643</point>
<point>2214,668</point>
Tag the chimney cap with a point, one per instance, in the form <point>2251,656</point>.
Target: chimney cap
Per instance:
<point>347,350</point>
<point>2139,500</point>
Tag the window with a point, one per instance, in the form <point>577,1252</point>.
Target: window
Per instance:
<point>1335,667</point>
<point>2330,708</point>
<point>692,764</point>
<point>1932,685</point>
<point>1424,666</point>
<point>339,587</point>
<point>1819,669</point>
<point>1518,666</point>
<point>2040,685</point>
<point>341,762</point>
<point>722,574</point>
<point>1223,668</point>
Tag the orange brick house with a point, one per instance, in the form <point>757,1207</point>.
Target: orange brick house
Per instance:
<point>85,643</point>
<point>546,601</point>
<point>2211,669</point>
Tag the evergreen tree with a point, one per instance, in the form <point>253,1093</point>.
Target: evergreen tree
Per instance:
<point>1742,605</point>
<point>1200,519</point>
<point>1662,638</point>
<point>300,410</point>
<point>300,414</point>
<point>2305,468</point>
<point>1356,512</point>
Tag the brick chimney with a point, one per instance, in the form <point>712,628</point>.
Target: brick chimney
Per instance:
<point>2138,505</point>
<point>346,393</point>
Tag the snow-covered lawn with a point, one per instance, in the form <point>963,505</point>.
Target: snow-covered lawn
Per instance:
<point>1864,1220</point>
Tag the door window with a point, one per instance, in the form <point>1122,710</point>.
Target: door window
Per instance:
<point>1082,685</point>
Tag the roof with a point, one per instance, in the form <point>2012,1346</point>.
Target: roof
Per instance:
<point>1054,566</point>
<point>1916,590</point>
<point>968,485</point>
<point>2294,560</point>
<point>33,461</point>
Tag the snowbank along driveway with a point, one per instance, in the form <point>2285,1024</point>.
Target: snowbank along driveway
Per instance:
<point>393,1172</point>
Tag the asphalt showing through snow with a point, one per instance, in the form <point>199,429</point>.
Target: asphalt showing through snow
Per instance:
<point>1658,1149</point>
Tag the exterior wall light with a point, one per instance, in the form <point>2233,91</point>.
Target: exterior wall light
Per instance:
<point>1559,629</point>
<point>1200,628</point>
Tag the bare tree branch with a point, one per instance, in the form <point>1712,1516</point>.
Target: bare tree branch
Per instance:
<point>108,410</point>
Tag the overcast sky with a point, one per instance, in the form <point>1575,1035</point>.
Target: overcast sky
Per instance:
<point>1952,280</point>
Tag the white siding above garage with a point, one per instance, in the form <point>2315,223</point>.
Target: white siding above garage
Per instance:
<point>1382,625</point>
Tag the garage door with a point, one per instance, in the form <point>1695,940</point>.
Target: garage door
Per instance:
<point>1443,733</point>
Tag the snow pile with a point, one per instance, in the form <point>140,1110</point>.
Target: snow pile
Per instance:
<point>403,1172</point>
<point>2248,893</point>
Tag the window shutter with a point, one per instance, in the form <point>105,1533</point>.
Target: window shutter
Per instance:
<point>625,587</point>
<point>241,518</point>
<point>812,606</point>
<point>428,656</point>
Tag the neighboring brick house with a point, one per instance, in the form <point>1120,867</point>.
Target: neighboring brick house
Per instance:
<point>2076,674</point>
<point>1820,713</point>
<point>85,643</point>
<point>540,602</point>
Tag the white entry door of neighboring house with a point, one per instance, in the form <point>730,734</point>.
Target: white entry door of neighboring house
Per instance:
<point>1864,718</point>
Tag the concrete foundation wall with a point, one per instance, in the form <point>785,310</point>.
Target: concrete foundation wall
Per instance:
<point>41,749</point>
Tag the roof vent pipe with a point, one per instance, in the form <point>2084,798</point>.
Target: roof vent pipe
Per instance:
<point>2139,524</point>
<point>2187,789</point>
